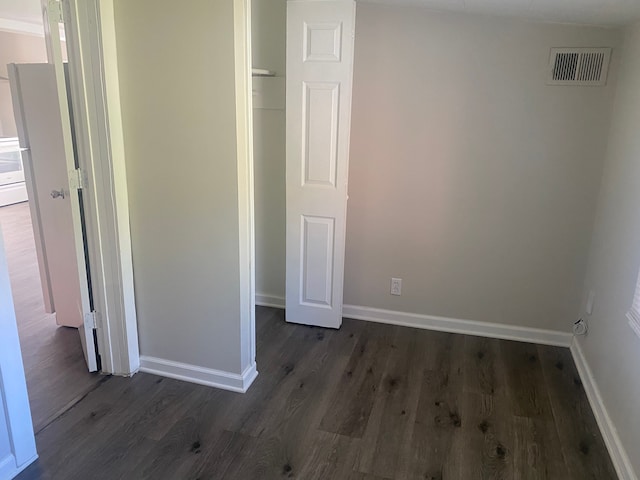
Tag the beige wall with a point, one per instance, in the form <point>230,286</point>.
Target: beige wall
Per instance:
<point>268,42</point>
<point>179,120</point>
<point>16,48</point>
<point>611,348</point>
<point>471,179</point>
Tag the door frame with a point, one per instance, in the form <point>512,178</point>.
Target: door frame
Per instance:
<point>95,96</point>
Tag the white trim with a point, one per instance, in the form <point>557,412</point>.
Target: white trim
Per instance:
<point>442,324</point>
<point>454,325</point>
<point>265,300</point>
<point>609,432</point>
<point>244,161</point>
<point>96,100</point>
<point>9,469</point>
<point>8,466</point>
<point>24,28</point>
<point>200,375</point>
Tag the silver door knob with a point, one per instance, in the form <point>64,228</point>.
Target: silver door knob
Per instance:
<point>57,193</point>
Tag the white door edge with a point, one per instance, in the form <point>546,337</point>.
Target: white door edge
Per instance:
<point>13,386</point>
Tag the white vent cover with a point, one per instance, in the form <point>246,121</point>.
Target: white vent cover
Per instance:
<point>579,66</point>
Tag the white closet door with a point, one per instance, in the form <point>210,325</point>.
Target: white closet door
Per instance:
<point>319,75</point>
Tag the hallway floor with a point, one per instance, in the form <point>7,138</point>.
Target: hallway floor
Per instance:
<point>55,368</point>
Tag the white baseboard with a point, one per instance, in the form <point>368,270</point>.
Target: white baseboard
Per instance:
<point>266,300</point>
<point>9,469</point>
<point>453,325</point>
<point>609,432</point>
<point>200,375</point>
<point>443,324</point>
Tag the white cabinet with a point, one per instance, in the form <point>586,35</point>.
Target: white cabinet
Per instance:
<point>12,186</point>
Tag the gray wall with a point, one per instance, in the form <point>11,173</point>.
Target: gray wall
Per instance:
<point>176,64</point>
<point>470,178</point>
<point>611,348</point>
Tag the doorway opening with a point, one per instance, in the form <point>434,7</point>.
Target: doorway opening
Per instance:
<point>54,362</point>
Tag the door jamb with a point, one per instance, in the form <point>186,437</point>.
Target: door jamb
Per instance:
<point>95,94</point>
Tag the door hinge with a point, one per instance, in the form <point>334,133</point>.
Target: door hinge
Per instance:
<point>92,320</point>
<point>54,11</point>
<point>76,179</point>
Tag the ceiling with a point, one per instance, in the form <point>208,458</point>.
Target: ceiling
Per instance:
<point>591,12</point>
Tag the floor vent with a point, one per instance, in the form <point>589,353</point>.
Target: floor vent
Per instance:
<point>579,66</point>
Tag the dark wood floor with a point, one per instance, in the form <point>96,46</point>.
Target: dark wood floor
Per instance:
<point>368,401</point>
<point>55,369</point>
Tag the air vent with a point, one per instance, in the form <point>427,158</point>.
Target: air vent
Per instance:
<point>579,66</point>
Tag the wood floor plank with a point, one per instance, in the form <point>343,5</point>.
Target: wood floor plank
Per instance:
<point>103,410</point>
<point>537,452</point>
<point>299,354</point>
<point>384,440</point>
<point>584,450</point>
<point>525,380</point>
<point>484,370</point>
<point>128,442</point>
<point>313,379</point>
<point>218,457</point>
<point>487,411</point>
<point>438,410</point>
<point>330,456</point>
<point>264,457</point>
<point>483,447</point>
<point>348,413</point>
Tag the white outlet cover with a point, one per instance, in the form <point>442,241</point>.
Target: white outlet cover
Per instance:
<point>396,286</point>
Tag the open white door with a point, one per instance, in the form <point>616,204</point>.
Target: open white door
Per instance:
<point>320,37</point>
<point>54,187</point>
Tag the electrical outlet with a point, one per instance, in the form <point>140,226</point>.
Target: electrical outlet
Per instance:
<point>590,300</point>
<point>396,286</point>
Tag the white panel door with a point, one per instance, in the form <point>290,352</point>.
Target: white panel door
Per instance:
<point>319,74</point>
<point>44,130</point>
